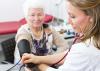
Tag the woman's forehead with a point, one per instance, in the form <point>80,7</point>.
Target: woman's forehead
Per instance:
<point>36,9</point>
<point>73,10</point>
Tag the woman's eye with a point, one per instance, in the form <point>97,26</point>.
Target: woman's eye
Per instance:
<point>37,15</point>
<point>72,16</point>
<point>32,15</point>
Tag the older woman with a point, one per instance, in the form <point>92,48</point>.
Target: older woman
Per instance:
<point>84,55</point>
<point>37,32</point>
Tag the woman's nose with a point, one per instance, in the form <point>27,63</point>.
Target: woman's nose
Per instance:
<point>36,18</point>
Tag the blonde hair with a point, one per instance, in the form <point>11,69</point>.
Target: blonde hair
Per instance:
<point>91,8</point>
<point>32,4</point>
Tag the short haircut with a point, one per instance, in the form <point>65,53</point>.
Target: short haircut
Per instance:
<point>32,4</point>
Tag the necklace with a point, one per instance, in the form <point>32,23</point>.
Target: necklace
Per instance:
<point>38,33</point>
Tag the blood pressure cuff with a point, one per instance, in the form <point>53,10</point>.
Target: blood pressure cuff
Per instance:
<point>24,47</point>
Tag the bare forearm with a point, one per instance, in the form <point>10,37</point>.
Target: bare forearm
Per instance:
<point>43,67</point>
<point>51,59</point>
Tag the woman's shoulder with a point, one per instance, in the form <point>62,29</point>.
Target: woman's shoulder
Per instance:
<point>82,44</point>
<point>23,31</point>
<point>25,26</point>
<point>85,48</point>
<point>79,47</point>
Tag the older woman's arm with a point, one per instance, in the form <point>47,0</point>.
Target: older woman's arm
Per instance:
<point>49,59</point>
<point>22,33</point>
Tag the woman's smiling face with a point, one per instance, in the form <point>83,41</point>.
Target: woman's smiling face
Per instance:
<point>35,17</point>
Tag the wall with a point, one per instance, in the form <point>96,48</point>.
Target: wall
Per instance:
<point>12,9</point>
<point>57,8</point>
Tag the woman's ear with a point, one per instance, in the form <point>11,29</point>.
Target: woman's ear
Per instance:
<point>91,19</point>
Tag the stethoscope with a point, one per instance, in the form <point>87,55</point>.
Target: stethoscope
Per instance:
<point>77,37</point>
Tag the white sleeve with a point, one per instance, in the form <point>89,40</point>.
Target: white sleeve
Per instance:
<point>76,60</point>
<point>16,56</point>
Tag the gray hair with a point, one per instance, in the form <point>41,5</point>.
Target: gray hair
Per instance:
<point>32,4</point>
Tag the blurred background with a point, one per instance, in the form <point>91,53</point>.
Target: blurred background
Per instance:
<point>12,9</point>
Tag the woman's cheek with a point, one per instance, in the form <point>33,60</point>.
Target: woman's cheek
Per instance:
<point>76,26</point>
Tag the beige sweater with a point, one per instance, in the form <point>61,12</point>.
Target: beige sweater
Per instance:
<point>54,39</point>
